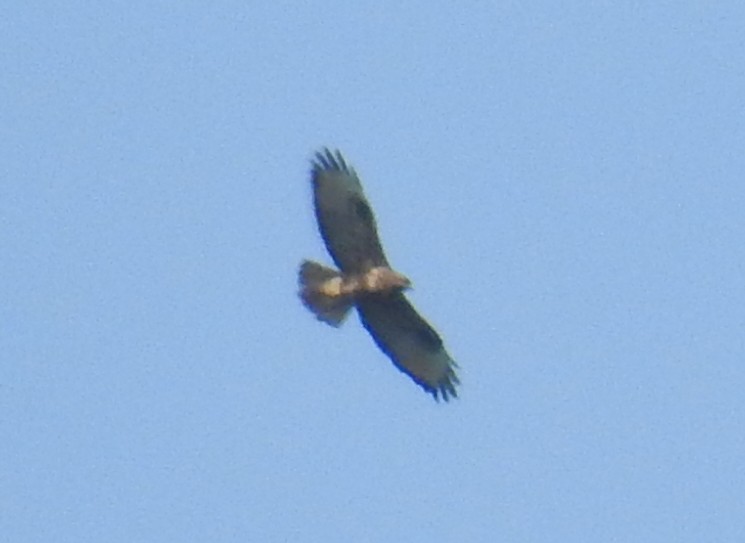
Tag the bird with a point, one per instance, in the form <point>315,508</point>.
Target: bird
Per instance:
<point>366,281</point>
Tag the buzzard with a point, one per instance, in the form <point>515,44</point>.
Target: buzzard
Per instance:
<point>366,280</point>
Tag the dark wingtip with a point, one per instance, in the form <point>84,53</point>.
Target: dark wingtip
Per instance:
<point>445,389</point>
<point>328,160</point>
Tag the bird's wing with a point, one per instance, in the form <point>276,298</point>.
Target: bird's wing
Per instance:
<point>415,348</point>
<point>344,216</point>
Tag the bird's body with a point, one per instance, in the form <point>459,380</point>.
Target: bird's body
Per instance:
<point>367,281</point>
<point>330,294</point>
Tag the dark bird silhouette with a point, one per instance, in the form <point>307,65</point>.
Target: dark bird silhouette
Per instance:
<point>365,280</point>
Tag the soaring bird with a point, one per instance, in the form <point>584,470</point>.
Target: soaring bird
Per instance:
<point>366,280</point>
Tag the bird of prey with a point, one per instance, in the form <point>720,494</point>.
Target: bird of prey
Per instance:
<point>366,281</point>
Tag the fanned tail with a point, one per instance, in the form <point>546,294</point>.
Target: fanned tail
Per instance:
<point>320,291</point>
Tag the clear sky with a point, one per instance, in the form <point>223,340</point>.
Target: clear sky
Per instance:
<point>564,182</point>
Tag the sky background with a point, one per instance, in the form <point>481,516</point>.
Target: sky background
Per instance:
<point>564,182</point>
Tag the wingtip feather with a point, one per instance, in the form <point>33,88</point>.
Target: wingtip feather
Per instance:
<point>328,160</point>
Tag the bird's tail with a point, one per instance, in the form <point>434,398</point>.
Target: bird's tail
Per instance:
<point>321,292</point>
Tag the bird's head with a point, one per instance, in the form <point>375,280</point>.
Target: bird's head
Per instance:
<point>382,278</point>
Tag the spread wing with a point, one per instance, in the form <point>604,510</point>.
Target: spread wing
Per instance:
<point>415,348</point>
<point>344,216</point>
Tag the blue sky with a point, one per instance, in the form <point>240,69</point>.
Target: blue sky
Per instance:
<point>563,182</point>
